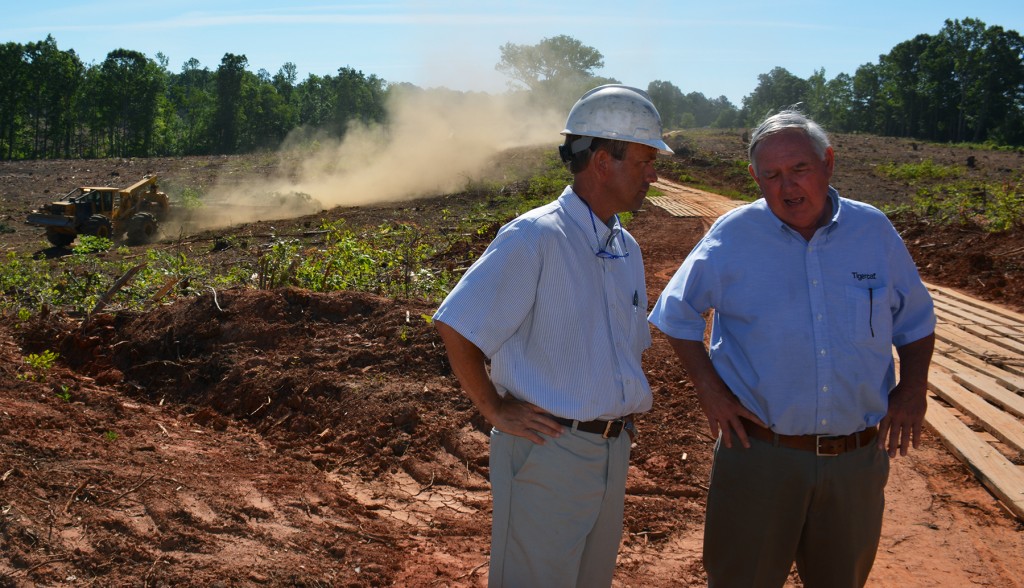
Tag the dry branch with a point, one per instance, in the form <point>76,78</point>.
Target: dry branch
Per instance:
<point>128,491</point>
<point>128,275</point>
<point>71,498</point>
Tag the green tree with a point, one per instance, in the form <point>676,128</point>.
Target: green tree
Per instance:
<point>1002,104</point>
<point>227,118</point>
<point>776,90</point>
<point>866,99</point>
<point>52,80</point>
<point>13,82</point>
<point>124,93</point>
<point>357,97</point>
<point>192,94</point>
<point>267,118</point>
<point>987,70</point>
<point>670,102</point>
<point>829,101</point>
<point>557,70</point>
<point>284,81</point>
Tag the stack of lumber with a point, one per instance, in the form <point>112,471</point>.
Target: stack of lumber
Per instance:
<point>976,383</point>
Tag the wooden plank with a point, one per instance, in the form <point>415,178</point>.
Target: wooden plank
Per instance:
<point>1001,425</point>
<point>990,390</point>
<point>1010,331</point>
<point>1007,379</point>
<point>1008,343</point>
<point>980,347</point>
<point>993,470</point>
<point>993,308</point>
<point>960,316</point>
<point>981,384</point>
<point>978,314</point>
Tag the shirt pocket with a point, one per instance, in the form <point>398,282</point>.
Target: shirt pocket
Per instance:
<point>869,316</point>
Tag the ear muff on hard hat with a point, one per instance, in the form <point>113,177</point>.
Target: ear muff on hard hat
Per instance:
<point>617,112</point>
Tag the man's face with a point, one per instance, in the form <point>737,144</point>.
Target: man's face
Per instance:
<point>632,177</point>
<point>794,179</point>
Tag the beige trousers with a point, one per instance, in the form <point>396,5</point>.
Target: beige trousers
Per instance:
<point>557,509</point>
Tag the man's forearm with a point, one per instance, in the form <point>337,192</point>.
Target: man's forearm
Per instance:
<point>469,364</point>
<point>915,358</point>
<point>695,360</point>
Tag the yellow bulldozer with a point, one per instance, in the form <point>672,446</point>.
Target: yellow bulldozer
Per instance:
<point>135,211</point>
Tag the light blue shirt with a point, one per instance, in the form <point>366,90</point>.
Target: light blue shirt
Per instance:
<point>563,328</point>
<point>802,331</point>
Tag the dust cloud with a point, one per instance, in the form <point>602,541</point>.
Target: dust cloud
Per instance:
<point>436,141</point>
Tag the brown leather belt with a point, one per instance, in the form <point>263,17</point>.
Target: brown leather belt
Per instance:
<point>604,428</point>
<point>821,445</point>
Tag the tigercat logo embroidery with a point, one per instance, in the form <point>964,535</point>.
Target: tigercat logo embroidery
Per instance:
<point>861,277</point>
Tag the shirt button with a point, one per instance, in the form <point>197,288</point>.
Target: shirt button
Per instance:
<point>823,352</point>
<point>824,388</point>
<point>814,282</point>
<point>824,422</point>
<point>819,316</point>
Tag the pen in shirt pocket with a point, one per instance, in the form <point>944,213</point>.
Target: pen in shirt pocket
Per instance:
<point>636,298</point>
<point>871,310</point>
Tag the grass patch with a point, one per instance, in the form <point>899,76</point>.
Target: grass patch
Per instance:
<point>993,207</point>
<point>923,171</point>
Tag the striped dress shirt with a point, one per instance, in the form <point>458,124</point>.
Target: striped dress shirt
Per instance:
<point>563,328</point>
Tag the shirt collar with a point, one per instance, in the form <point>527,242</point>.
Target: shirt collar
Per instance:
<point>579,211</point>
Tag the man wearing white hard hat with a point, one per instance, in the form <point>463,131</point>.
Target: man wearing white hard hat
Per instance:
<point>557,304</point>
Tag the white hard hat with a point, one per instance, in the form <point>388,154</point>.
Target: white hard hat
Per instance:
<point>614,111</point>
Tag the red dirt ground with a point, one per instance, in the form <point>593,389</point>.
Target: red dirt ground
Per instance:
<point>287,438</point>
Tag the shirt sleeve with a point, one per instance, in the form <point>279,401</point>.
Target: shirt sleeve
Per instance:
<point>495,295</point>
<point>914,315</point>
<point>679,309</point>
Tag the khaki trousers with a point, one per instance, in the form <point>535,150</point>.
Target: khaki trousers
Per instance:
<point>770,506</point>
<point>557,509</point>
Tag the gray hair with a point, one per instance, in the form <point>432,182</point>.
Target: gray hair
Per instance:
<point>789,119</point>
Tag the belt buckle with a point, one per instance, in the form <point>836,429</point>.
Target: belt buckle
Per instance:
<point>608,428</point>
<point>817,445</point>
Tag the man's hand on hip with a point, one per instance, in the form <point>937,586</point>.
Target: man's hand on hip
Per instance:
<point>520,418</point>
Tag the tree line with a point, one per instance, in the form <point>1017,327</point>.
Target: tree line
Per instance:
<point>54,106</point>
<point>963,84</point>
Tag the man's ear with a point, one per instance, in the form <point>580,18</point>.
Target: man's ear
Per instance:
<point>601,160</point>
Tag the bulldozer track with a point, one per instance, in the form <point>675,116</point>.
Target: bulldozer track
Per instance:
<point>976,380</point>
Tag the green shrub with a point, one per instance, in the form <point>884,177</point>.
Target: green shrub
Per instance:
<point>87,244</point>
<point>926,170</point>
<point>993,207</point>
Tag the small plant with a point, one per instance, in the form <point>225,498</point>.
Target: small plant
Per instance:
<point>40,363</point>
<point>110,436</point>
<point>64,393</point>
<point>191,199</point>
<point>91,244</point>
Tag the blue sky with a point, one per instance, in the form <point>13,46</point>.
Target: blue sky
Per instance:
<point>717,48</point>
